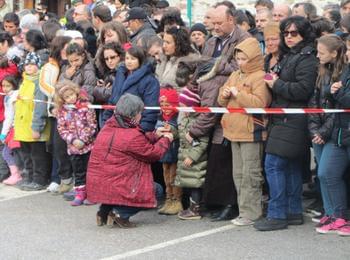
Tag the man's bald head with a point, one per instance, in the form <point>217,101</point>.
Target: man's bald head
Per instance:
<point>280,12</point>
<point>223,21</point>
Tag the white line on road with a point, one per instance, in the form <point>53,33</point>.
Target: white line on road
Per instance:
<point>169,243</point>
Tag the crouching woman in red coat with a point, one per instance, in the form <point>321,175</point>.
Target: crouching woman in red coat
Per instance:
<point>119,172</point>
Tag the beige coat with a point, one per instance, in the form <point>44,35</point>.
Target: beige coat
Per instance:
<point>252,93</point>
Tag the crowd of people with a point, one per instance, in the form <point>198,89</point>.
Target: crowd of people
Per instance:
<point>247,168</point>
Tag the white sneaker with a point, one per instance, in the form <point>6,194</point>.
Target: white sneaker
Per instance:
<point>242,221</point>
<point>53,187</point>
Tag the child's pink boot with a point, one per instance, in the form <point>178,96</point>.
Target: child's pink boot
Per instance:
<point>80,196</point>
<point>15,176</point>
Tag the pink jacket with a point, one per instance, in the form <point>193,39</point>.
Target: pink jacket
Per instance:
<point>77,123</point>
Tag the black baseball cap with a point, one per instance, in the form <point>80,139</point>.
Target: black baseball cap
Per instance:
<point>136,13</point>
<point>162,4</point>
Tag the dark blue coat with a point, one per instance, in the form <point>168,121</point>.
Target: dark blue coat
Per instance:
<point>141,83</point>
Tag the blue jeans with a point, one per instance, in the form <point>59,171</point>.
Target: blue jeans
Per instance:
<point>125,212</point>
<point>332,166</point>
<point>284,177</point>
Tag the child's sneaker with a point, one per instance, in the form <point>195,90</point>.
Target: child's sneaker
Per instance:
<point>344,230</point>
<point>65,188</point>
<point>240,221</point>
<point>53,187</point>
<point>69,196</point>
<point>80,196</point>
<point>332,227</point>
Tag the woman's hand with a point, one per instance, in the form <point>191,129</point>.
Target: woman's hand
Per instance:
<point>100,83</point>
<point>226,93</point>
<point>170,136</point>
<point>317,139</point>
<point>35,135</point>
<point>188,162</point>
<point>270,79</point>
<point>336,86</point>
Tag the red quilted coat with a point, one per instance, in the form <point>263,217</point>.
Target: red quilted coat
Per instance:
<point>119,170</point>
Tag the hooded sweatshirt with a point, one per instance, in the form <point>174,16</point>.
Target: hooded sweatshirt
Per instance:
<point>252,93</point>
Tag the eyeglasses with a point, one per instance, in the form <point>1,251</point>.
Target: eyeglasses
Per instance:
<point>111,58</point>
<point>292,33</point>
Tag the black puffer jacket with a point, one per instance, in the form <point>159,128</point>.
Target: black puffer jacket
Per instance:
<point>341,129</point>
<point>321,124</point>
<point>288,133</point>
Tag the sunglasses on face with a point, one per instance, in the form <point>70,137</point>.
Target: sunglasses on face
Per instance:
<point>111,58</point>
<point>292,33</point>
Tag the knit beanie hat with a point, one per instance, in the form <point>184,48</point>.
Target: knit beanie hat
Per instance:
<point>169,95</point>
<point>189,98</point>
<point>32,58</point>
<point>272,29</point>
<point>199,27</point>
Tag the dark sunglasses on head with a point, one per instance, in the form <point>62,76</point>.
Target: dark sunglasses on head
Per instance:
<point>292,33</point>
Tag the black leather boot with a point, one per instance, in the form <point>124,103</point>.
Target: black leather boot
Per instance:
<point>227,213</point>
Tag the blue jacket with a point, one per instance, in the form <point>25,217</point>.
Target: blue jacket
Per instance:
<point>141,83</point>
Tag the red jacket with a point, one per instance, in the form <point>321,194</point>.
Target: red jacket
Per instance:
<point>119,170</point>
<point>11,69</point>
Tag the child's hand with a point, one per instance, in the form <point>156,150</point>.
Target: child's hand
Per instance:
<point>160,131</point>
<point>188,162</point>
<point>79,144</point>
<point>234,91</point>
<point>35,135</point>
<point>70,71</point>
<point>336,86</point>
<point>226,93</point>
<point>189,138</point>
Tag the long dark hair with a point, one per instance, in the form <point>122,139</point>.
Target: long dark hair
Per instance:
<point>114,46</point>
<point>36,39</point>
<point>182,41</point>
<point>304,28</point>
<point>56,47</point>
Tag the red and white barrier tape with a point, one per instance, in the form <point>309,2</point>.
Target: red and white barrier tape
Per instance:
<point>217,110</point>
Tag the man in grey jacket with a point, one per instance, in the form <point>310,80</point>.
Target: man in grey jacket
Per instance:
<point>138,24</point>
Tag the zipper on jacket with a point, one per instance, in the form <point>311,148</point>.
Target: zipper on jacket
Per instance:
<point>110,146</point>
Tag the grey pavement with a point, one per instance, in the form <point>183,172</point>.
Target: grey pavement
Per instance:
<point>42,226</point>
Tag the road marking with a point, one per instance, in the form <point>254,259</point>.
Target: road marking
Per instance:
<point>169,243</point>
<point>10,193</point>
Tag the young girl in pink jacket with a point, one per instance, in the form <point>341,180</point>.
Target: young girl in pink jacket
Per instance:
<point>77,126</point>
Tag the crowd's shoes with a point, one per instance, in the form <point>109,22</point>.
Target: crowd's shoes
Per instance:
<point>165,207</point>
<point>270,224</point>
<point>69,196</point>
<point>15,176</point>
<point>321,220</point>
<point>295,219</point>
<point>171,207</point>
<point>315,209</point>
<point>192,213</point>
<point>33,186</point>
<point>114,220</point>
<point>53,187</point>
<point>344,230</point>
<point>101,218</point>
<point>80,196</point>
<point>335,225</point>
<point>241,221</point>
<point>229,212</point>
<point>64,188</point>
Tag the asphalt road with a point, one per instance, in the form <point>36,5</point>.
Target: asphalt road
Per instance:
<point>42,226</point>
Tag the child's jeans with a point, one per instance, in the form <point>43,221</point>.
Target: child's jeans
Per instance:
<point>8,156</point>
<point>79,165</point>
